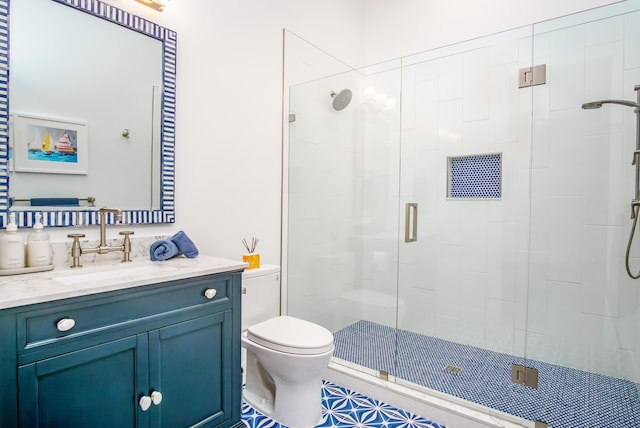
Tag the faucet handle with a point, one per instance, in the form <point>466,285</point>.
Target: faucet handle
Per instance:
<point>76,249</point>
<point>126,245</point>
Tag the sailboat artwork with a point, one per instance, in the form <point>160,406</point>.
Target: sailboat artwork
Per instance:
<point>49,144</point>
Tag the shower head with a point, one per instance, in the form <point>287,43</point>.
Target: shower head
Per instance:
<point>592,105</point>
<point>597,104</point>
<point>341,99</point>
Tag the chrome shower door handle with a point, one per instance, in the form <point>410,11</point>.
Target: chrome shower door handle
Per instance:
<point>411,222</point>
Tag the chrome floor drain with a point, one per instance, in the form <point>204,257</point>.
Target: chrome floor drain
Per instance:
<point>452,369</point>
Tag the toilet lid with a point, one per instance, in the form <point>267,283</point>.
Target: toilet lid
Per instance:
<point>292,335</point>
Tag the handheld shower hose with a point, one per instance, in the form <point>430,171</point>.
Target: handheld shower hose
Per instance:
<point>633,232</point>
<point>635,203</point>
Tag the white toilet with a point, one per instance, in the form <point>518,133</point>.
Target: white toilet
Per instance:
<point>286,357</point>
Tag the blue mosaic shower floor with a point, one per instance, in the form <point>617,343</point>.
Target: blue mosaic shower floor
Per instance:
<point>565,397</point>
<point>342,407</point>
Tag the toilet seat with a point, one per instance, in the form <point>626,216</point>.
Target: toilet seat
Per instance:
<point>291,335</point>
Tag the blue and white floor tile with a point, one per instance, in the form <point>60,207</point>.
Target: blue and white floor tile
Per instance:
<point>344,408</point>
<point>565,397</point>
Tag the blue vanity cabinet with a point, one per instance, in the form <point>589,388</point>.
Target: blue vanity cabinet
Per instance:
<point>160,355</point>
<point>190,360</point>
<point>89,387</point>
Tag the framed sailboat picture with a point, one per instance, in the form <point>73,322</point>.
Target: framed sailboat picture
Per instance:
<point>48,145</point>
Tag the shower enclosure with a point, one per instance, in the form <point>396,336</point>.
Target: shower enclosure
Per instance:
<point>461,224</point>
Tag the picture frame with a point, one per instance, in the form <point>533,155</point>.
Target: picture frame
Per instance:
<point>48,145</point>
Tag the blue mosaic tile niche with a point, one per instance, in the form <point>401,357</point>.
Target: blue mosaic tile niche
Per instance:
<point>565,397</point>
<point>475,177</point>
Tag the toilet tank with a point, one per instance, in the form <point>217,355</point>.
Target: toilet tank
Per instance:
<point>260,294</point>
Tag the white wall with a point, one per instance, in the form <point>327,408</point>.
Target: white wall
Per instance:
<point>395,29</point>
<point>229,112</point>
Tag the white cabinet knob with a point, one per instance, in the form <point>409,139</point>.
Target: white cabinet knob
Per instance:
<point>210,293</point>
<point>145,402</point>
<point>65,324</point>
<point>156,397</point>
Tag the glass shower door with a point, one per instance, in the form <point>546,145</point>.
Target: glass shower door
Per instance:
<point>465,152</point>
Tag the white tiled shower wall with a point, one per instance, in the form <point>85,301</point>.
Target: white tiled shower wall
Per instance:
<point>538,273</point>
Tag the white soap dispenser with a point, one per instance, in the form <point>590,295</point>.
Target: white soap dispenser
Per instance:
<point>11,246</point>
<point>38,245</point>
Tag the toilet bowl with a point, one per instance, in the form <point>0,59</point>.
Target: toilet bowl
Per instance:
<point>286,358</point>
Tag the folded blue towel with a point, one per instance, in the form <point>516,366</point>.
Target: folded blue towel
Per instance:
<point>176,245</point>
<point>185,245</point>
<point>163,250</point>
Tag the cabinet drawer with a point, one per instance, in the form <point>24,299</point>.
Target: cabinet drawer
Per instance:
<point>89,315</point>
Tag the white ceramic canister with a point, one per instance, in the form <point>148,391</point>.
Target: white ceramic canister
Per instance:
<point>38,245</point>
<point>11,246</point>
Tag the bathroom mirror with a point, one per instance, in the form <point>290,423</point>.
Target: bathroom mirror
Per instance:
<point>128,144</point>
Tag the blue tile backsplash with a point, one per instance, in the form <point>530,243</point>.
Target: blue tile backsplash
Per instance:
<point>475,177</point>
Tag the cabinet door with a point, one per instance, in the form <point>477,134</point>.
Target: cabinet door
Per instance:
<point>190,364</point>
<point>94,387</point>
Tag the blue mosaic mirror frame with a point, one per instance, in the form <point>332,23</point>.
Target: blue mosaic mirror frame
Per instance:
<point>63,218</point>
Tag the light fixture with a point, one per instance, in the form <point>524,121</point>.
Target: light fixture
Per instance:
<point>154,4</point>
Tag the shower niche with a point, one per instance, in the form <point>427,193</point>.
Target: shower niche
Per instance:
<point>474,176</point>
<point>523,224</point>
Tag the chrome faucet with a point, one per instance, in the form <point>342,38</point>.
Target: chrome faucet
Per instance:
<point>103,247</point>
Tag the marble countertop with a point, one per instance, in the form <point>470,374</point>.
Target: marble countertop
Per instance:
<point>64,282</point>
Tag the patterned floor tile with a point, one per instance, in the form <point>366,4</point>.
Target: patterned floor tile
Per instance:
<point>342,407</point>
